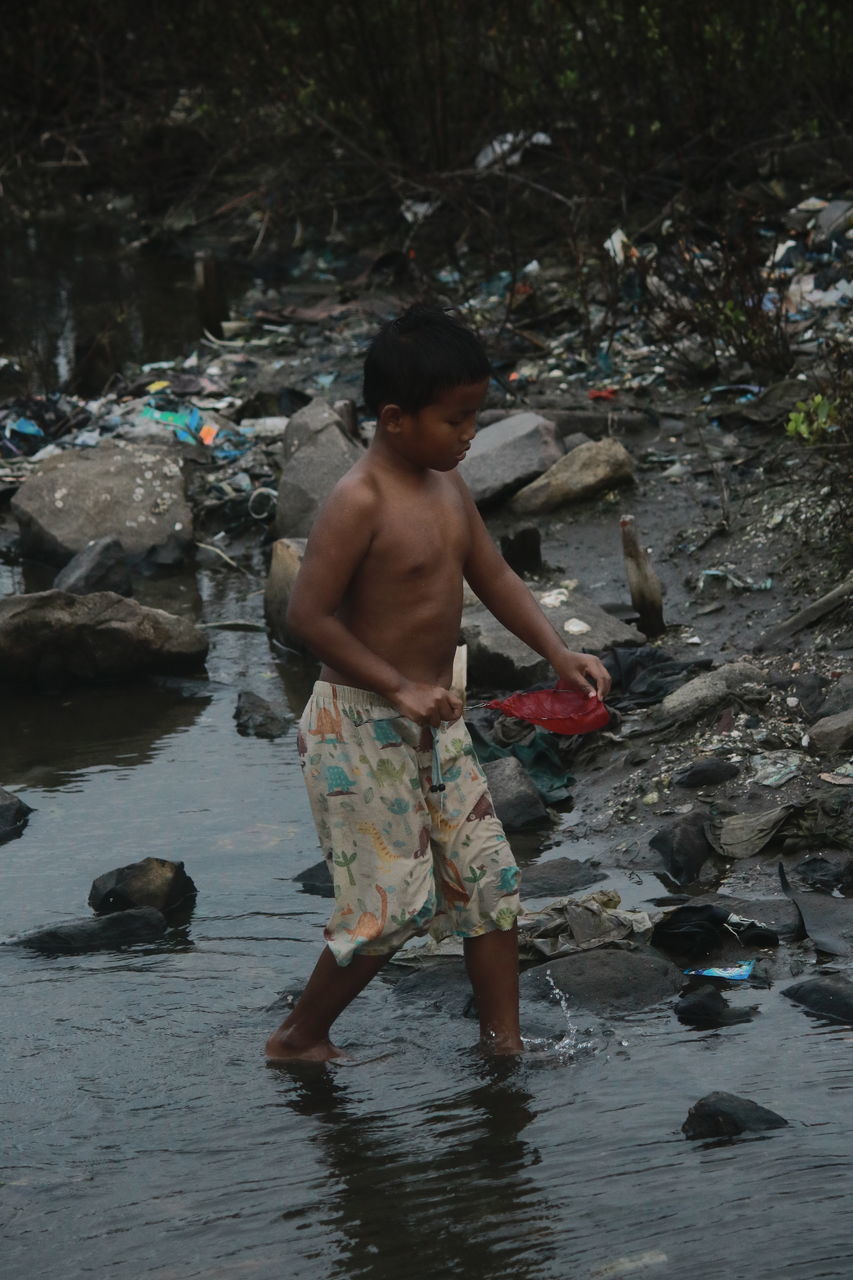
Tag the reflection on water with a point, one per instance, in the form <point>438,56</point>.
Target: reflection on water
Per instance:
<point>80,296</point>
<point>389,1176</point>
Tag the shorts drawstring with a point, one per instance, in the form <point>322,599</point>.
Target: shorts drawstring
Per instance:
<point>437,780</point>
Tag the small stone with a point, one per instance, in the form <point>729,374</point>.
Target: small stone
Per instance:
<point>833,734</point>
<point>256,718</point>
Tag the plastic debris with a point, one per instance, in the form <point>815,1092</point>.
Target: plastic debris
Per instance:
<point>560,710</point>
<point>729,972</point>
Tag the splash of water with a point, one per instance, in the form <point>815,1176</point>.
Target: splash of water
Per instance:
<point>569,1046</point>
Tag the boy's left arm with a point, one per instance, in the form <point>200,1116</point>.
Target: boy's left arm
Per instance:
<point>507,597</point>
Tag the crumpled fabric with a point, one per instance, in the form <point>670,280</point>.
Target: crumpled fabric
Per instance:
<point>828,819</point>
<point>644,675</point>
<point>544,755</point>
<point>569,925</point>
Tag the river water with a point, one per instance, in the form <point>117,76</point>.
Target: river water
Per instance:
<point>143,1133</point>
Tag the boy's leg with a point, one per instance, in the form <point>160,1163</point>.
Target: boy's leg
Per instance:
<point>492,963</point>
<point>304,1034</point>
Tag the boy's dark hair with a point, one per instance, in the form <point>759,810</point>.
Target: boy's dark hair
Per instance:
<point>415,358</point>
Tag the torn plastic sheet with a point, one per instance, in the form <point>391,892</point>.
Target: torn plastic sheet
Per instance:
<point>569,925</point>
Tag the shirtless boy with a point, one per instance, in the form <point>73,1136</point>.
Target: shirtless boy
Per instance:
<point>401,805</point>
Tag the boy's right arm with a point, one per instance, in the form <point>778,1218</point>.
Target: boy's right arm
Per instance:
<point>340,539</point>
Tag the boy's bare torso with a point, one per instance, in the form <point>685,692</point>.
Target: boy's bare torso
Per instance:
<point>404,600</point>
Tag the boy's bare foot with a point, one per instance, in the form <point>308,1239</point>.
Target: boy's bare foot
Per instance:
<point>287,1046</point>
<point>501,1045</point>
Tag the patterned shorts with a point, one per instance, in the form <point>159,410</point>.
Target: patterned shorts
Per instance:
<point>405,858</point>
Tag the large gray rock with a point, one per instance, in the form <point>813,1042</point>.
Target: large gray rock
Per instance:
<point>53,637</point>
<point>316,453</point>
<point>585,471</point>
<point>839,698</point>
<point>131,492</point>
<point>709,690</point>
<point>498,659</point>
<point>285,560</point>
<point>516,801</point>
<point>13,815</point>
<point>832,734</point>
<point>100,566</point>
<point>153,882</point>
<point>604,980</point>
<point>509,454</point>
<point>311,420</point>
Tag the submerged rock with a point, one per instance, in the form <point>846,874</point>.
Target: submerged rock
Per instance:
<point>829,997</point>
<point>583,472</point>
<point>316,879</point>
<point>56,638</point>
<point>100,566</point>
<point>604,980</point>
<point>706,1008</point>
<point>153,882</point>
<point>559,877</point>
<point>13,815</point>
<point>115,490</point>
<point>120,929</point>
<point>256,718</point>
<point>725,1115</point>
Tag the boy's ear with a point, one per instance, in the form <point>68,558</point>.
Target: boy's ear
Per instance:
<point>391,417</point>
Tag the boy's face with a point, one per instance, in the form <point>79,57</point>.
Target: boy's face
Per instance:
<point>439,435</point>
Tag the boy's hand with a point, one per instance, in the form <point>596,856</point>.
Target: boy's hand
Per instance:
<point>585,672</point>
<point>426,703</point>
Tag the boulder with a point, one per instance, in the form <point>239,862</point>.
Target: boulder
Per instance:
<point>604,980</point>
<point>708,690</point>
<point>832,734</point>
<point>725,1115</point>
<point>499,660</point>
<point>55,638</point>
<point>585,471</point>
<point>285,560</point>
<point>256,718</point>
<point>316,453</point>
<point>121,929</point>
<point>516,801</point>
<point>100,566</point>
<point>153,882</point>
<point>131,492</point>
<point>311,420</point>
<point>509,454</point>
<point>13,815</point>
